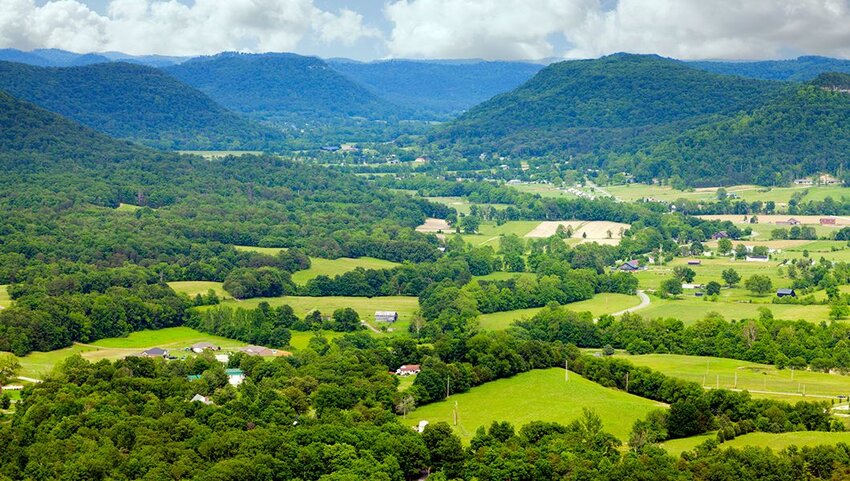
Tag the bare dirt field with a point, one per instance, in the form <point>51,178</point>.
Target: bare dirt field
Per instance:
<point>434,225</point>
<point>776,219</point>
<point>586,231</point>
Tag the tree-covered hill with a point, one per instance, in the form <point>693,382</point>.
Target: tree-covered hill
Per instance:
<point>577,107</point>
<point>137,103</point>
<point>799,69</point>
<point>283,87</point>
<point>833,81</point>
<point>437,89</point>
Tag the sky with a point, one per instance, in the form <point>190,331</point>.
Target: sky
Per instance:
<point>486,29</point>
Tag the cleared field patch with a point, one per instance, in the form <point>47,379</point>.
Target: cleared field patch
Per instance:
<point>122,207</point>
<point>690,309</point>
<point>539,395</point>
<point>503,276</point>
<point>335,267</point>
<point>300,339</point>
<point>170,337</point>
<point>761,380</point>
<point>711,269</point>
<point>675,447</point>
<point>778,219</point>
<point>193,288</point>
<point>600,304</point>
<point>39,364</point>
<point>272,251</point>
<point>215,154</point>
<point>461,204</point>
<point>584,231</point>
<point>543,190</point>
<point>779,441</point>
<point>5,298</point>
<point>435,225</point>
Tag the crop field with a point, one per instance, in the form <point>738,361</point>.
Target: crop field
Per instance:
<point>600,304</point>
<point>335,267</point>
<point>584,231</point>
<point>365,306</point>
<point>760,379</point>
<point>434,225</point>
<point>193,288</point>
<point>489,233</point>
<point>775,220</point>
<point>5,299</point>
<point>539,395</point>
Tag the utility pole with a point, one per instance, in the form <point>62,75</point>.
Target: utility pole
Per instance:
<point>448,380</point>
<point>627,382</point>
<point>566,370</point>
<point>736,379</point>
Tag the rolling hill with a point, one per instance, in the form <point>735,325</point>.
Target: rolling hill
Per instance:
<point>437,89</point>
<point>283,87</point>
<point>658,117</point>
<point>799,69</point>
<point>137,103</point>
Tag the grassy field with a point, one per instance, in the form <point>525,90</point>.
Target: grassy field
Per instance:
<point>460,204</point>
<point>212,154</point>
<point>751,376</point>
<point>300,340</point>
<point>127,208</point>
<point>691,309</point>
<point>489,232</point>
<point>540,395</point>
<point>262,250</point>
<point>543,190</point>
<point>335,267</point>
<point>5,300</point>
<point>193,288</point>
<point>749,193</point>
<point>366,307</point>
<point>774,441</point>
<point>600,304</point>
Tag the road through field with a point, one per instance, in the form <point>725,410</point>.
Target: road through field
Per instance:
<point>644,302</point>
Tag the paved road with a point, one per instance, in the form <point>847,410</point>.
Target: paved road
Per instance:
<point>644,301</point>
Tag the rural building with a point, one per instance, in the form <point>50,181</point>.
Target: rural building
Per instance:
<point>694,262</point>
<point>757,259</point>
<point>692,286</point>
<point>154,352</point>
<point>421,427</point>
<point>201,399</point>
<point>791,221</point>
<point>698,293</point>
<point>804,181</point>
<point>386,316</point>
<point>827,221</point>
<point>200,347</point>
<point>786,293</point>
<point>720,235</point>
<point>263,351</point>
<point>330,148</point>
<point>408,370</point>
<point>630,266</point>
<point>235,376</point>
<point>222,358</point>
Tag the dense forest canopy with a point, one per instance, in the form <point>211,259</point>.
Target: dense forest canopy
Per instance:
<point>137,103</point>
<point>798,69</point>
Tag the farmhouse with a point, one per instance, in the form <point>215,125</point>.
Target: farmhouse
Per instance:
<point>791,221</point>
<point>201,399</point>
<point>694,262</point>
<point>827,221</point>
<point>263,351</point>
<point>720,235</point>
<point>692,286</point>
<point>154,352</point>
<point>200,347</point>
<point>786,293</point>
<point>408,370</point>
<point>630,266</point>
<point>386,316</point>
<point>234,376</point>
<point>804,181</point>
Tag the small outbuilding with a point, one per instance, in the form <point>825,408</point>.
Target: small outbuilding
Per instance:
<point>154,352</point>
<point>386,316</point>
<point>630,266</point>
<point>827,221</point>
<point>200,347</point>
<point>786,293</point>
<point>694,262</point>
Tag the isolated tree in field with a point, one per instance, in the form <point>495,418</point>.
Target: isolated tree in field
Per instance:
<point>697,248</point>
<point>405,405</point>
<point>608,350</point>
<point>724,246</point>
<point>740,251</point>
<point>470,224</point>
<point>759,284</point>
<point>731,277</point>
<point>684,274</point>
<point>722,194</point>
<point>346,320</point>
<point>9,367</point>
<point>671,287</point>
<point>712,288</point>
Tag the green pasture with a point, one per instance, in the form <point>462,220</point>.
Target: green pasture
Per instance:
<point>711,269</point>
<point>335,267</point>
<point>5,299</point>
<point>761,380</point>
<point>600,304</point>
<point>193,288</point>
<point>539,395</point>
<point>691,309</point>
<point>489,233</point>
<point>168,338</point>
<point>543,190</point>
<point>38,364</point>
<point>749,193</point>
<point>127,208</point>
<point>262,250</point>
<point>405,382</point>
<point>300,339</point>
<point>503,276</point>
<point>461,204</point>
<point>365,306</point>
<point>774,441</point>
<point>213,154</point>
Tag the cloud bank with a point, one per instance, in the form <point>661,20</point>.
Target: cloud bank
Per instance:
<point>490,29</point>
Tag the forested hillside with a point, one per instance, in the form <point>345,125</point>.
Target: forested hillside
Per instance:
<point>656,117</point>
<point>798,69</point>
<point>283,87</point>
<point>137,103</point>
<point>436,89</point>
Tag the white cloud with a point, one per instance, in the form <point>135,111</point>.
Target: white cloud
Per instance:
<point>174,28</point>
<point>688,29</point>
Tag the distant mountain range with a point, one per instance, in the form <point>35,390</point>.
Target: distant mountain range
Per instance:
<point>137,103</point>
<point>657,117</point>
<point>53,57</point>
<point>437,89</point>
<point>800,69</point>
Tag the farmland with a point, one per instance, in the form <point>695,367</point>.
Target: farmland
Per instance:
<point>193,288</point>
<point>262,250</point>
<point>127,208</point>
<point>602,232</point>
<point>774,441</point>
<point>749,193</point>
<point>600,304</point>
<point>335,267</point>
<point>461,204</point>
<point>540,395</point>
<point>5,299</point>
<point>760,379</point>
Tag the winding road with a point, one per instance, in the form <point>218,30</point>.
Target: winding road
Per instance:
<point>644,301</point>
